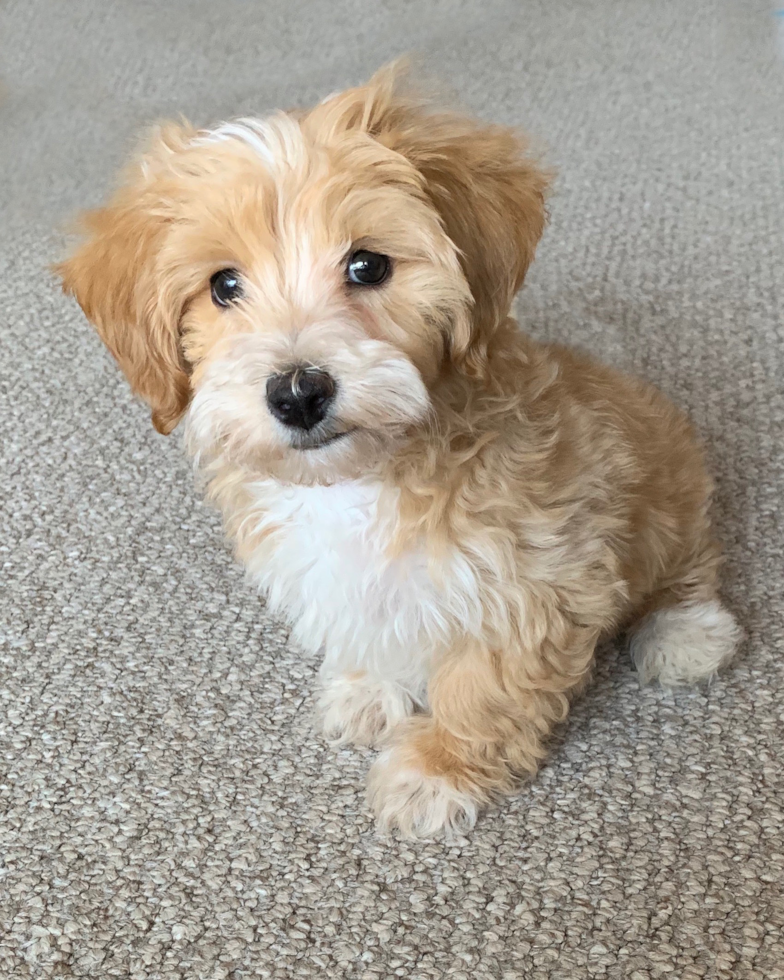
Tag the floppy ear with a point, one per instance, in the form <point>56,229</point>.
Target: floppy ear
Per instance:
<point>489,193</point>
<point>116,280</point>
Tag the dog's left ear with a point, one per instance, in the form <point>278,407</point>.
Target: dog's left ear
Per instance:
<point>116,279</point>
<point>489,193</point>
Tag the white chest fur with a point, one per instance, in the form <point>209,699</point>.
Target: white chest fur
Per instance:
<point>326,565</point>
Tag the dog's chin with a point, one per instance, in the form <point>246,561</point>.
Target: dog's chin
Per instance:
<point>332,457</point>
<point>313,441</point>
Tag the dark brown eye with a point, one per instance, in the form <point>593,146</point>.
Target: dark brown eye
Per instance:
<point>226,287</point>
<point>368,268</point>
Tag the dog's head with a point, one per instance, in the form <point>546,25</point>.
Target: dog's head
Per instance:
<point>302,281</point>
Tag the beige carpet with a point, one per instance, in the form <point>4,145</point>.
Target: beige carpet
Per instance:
<point>166,808</point>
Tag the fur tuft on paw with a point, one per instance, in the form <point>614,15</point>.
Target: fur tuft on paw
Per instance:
<point>406,799</point>
<point>684,644</point>
<point>360,709</point>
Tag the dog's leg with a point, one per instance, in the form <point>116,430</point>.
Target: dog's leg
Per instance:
<point>683,633</point>
<point>490,717</point>
<point>684,642</point>
<point>357,707</point>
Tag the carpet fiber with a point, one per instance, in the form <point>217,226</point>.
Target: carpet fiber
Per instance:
<point>166,808</point>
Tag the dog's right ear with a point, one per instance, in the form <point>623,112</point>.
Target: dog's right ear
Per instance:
<point>487,189</point>
<point>116,279</point>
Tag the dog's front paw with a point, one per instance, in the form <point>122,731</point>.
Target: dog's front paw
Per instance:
<point>358,708</point>
<point>406,797</point>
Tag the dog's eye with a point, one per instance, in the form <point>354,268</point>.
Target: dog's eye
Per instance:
<point>368,268</point>
<point>226,287</point>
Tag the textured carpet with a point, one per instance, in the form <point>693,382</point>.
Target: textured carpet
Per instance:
<point>166,808</point>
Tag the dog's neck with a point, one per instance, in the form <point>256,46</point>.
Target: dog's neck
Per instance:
<point>468,428</point>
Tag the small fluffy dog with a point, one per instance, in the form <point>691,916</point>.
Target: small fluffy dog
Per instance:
<point>452,514</point>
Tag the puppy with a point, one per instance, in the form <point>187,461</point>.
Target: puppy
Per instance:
<point>450,513</point>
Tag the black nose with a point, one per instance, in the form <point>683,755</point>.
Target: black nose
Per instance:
<point>300,398</point>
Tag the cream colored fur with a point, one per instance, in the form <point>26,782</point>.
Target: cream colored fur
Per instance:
<point>684,644</point>
<point>475,511</point>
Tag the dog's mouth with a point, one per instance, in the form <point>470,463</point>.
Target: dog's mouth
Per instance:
<point>321,440</point>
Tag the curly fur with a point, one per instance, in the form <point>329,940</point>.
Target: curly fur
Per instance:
<point>493,507</point>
